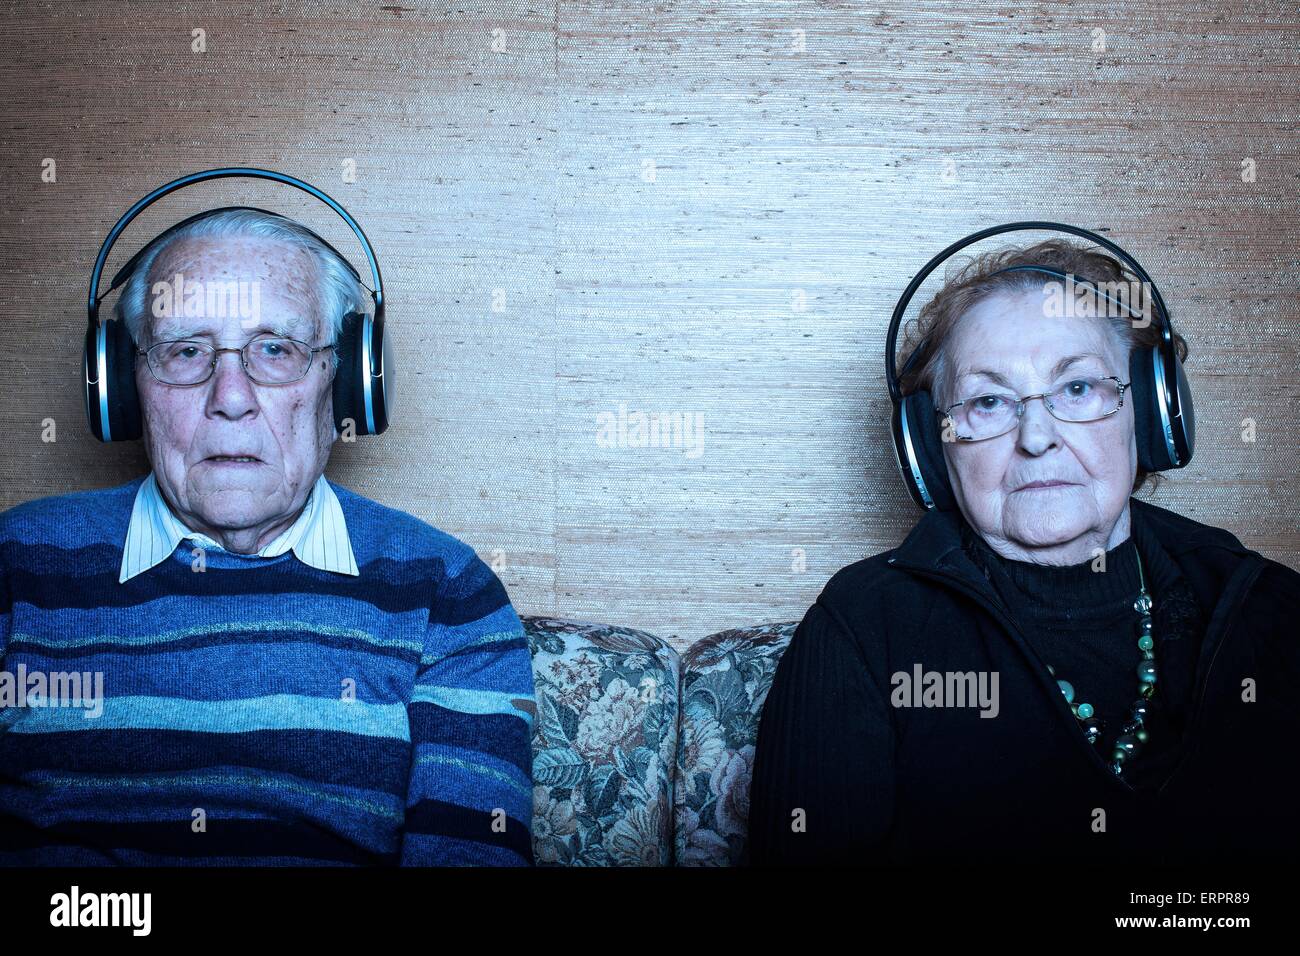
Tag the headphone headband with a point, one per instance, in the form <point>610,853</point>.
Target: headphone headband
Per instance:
<point>1164,418</point>
<point>895,321</point>
<point>362,384</point>
<point>92,307</point>
<point>129,266</point>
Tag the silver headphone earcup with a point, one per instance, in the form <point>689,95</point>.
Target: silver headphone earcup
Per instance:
<point>1183,425</point>
<point>918,447</point>
<point>1163,418</point>
<point>93,380</point>
<point>380,375</point>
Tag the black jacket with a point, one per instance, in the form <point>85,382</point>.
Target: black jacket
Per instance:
<point>873,782</point>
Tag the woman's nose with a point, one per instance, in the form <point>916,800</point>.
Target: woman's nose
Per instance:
<point>1037,432</point>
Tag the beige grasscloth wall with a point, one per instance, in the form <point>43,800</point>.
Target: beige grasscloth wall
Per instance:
<point>587,211</point>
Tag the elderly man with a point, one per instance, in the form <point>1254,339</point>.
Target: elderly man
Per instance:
<point>291,673</point>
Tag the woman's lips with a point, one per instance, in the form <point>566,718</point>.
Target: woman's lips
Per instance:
<point>1043,485</point>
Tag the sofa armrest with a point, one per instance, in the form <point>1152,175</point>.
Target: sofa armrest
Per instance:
<point>725,680</point>
<point>604,744</point>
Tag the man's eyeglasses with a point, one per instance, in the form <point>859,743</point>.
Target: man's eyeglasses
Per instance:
<point>267,359</point>
<point>1078,400</point>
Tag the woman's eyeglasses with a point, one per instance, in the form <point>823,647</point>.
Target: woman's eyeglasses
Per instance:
<point>1078,400</point>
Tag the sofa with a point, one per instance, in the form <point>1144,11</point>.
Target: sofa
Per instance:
<point>642,756</point>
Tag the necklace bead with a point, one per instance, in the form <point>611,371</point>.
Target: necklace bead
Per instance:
<point>1134,733</point>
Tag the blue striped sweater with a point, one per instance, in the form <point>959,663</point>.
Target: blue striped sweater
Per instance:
<point>259,711</point>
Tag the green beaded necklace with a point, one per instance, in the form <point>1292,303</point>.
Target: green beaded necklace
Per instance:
<point>1134,733</point>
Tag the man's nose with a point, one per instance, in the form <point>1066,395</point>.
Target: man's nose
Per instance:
<point>232,393</point>
<point>1037,432</point>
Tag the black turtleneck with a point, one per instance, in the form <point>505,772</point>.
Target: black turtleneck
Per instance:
<point>1081,621</point>
<point>873,777</point>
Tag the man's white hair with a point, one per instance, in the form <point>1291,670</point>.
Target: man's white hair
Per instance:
<point>338,291</point>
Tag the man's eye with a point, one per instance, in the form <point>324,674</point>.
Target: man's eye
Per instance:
<point>272,348</point>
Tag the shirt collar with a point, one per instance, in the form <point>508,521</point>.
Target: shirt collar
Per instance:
<point>318,538</point>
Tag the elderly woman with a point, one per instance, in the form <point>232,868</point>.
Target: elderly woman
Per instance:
<point>1049,667</point>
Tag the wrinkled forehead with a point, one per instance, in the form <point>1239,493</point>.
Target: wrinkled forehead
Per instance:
<point>227,286</point>
<point>1019,331</point>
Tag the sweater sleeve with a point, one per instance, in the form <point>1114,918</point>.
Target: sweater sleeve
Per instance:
<point>469,797</point>
<point>823,784</point>
<point>1274,611</point>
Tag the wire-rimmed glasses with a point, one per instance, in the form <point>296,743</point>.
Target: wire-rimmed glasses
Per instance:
<point>267,359</point>
<point>994,414</point>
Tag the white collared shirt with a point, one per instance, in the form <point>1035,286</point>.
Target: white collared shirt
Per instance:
<point>319,537</point>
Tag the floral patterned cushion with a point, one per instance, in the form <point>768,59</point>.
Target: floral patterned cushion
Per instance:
<point>604,744</point>
<point>725,679</point>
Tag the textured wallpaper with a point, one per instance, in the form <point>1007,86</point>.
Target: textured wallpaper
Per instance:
<point>592,216</point>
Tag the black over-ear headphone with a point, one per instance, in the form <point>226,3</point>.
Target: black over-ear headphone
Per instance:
<point>1165,421</point>
<point>363,385</point>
